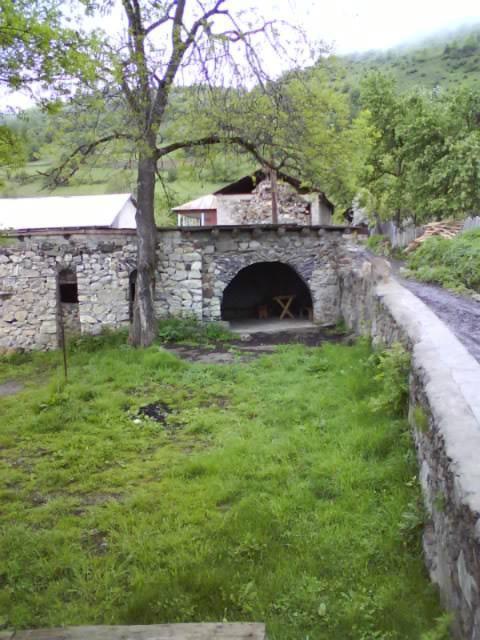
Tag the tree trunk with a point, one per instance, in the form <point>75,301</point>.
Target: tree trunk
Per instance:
<point>274,189</point>
<point>144,328</point>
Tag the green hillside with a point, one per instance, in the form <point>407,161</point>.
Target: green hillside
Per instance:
<point>443,61</point>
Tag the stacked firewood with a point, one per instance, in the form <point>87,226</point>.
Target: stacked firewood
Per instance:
<point>444,228</point>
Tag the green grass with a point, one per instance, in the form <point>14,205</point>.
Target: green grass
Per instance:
<point>454,263</point>
<point>273,492</point>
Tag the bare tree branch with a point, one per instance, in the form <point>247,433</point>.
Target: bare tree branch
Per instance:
<point>216,139</point>
<point>165,18</point>
<point>63,172</point>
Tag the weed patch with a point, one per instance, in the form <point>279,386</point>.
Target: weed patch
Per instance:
<point>454,264</point>
<point>190,330</point>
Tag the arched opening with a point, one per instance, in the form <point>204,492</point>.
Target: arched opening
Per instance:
<point>132,283</point>
<point>266,290</point>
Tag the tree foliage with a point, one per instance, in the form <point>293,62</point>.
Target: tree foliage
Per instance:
<point>424,161</point>
<point>40,52</point>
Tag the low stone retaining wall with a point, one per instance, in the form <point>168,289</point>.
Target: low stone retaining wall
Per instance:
<point>444,413</point>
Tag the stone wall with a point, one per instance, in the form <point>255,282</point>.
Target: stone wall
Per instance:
<point>29,268</point>
<point>256,208</point>
<point>194,268</point>
<point>70,313</point>
<point>444,414</point>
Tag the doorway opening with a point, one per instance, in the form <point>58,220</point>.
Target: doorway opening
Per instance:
<point>68,308</point>
<point>267,290</point>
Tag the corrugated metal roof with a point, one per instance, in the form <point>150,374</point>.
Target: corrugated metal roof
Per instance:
<point>205,203</point>
<point>68,211</point>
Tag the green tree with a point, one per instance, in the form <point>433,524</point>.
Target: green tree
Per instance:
<point>425,158</point>
<point>38,52</point>
<point>164,44</point>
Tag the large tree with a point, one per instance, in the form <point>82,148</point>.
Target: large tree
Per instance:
<point>295,123</point>
<point>158,45</point>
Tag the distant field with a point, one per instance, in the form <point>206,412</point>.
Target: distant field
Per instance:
<point>28,182</point>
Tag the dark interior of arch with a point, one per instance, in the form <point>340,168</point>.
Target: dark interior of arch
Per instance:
<point>254,288</point>
<point>132,283</point>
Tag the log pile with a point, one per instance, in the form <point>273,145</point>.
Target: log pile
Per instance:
<point>444,228</point>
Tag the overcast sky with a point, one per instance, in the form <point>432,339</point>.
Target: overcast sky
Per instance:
<point>352,25</point>
<point>360,25</point>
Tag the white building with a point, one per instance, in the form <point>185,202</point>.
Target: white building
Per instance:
<point>114,211</point>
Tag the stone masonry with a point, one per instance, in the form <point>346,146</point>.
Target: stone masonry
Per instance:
<point>444,414</point>
<point>256,208</point>
<point>194,268</point>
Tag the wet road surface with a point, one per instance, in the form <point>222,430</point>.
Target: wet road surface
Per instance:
<point>460,313</point>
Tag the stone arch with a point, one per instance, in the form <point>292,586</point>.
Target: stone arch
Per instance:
<point>310,257</point>
<point>255,289</point>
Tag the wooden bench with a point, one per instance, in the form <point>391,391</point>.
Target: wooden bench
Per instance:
<point>187,631</point>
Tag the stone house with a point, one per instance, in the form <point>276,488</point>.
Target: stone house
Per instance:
<point>70,263</point>
<point>249,201</point>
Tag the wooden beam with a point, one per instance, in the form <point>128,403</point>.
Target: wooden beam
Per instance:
<point>274,189</point>
<point>187,631</point>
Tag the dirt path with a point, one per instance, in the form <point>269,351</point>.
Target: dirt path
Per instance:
<point>460,313</point>
<point>253,345</point>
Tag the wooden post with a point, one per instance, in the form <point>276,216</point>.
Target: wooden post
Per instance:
<point>64,341</point>
<point>273,184</point>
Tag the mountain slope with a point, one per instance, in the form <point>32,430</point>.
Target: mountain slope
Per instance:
<point>444,61</point>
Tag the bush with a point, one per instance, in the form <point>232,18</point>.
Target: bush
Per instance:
<point>454,264</point>
<point>392,368</point>
<point>380,245</point>
<point>191,330</point>
<point>120,182</point>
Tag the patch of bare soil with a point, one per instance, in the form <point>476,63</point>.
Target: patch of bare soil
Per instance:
<point>253,345</point>
<point>10,388</point>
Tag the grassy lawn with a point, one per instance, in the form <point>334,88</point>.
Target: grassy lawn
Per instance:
<point>271,491</point>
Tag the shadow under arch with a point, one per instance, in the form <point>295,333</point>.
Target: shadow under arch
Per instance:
<point>251,293</point>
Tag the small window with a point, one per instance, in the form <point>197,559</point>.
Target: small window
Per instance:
<point>67,286</point>
<point>191,220</point>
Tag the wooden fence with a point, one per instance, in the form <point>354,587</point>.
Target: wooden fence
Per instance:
<point>402,237</point>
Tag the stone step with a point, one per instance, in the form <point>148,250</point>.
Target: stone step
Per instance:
<point>187,631</point>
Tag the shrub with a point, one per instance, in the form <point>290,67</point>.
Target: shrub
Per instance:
<point>441,631</point>
<point>192,330</point>
<point>120,182</point>
<point>380,245</point>
<point>392,367</point>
